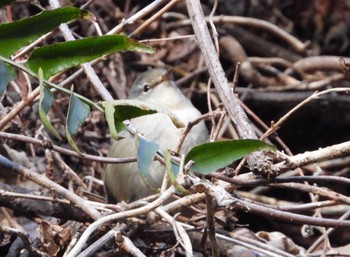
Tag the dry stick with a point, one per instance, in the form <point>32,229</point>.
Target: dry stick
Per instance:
<point>313,63</point>
<point>254,208</point>
<point>275,126</point>
<point>257,246</point>
<point>285,205</point>
<point>117,216</point>
<point>243,241</point>
<point>325,192</point>
<point>65,167</point>
<point>215,33</point>
<point>25,102</point>
<point>227,123</point>
<point>189,200</point>
<point>300,160</point>
<point>140,14</point>
<point>47,183</point>
<point>262,124</point>
<point>210,109</point>
<point>328,232</point>
<point>167,39</point>
<point>211,203</point>
<point>180,232</point>
<point>216,42</point>
<point>47,144</point>
<point>278,124</point>
<point>253,22</point>
<point>17,196</point>
<point>219,126</point>
<point>245,205</point>
<point>26,242</point>
<point>327,153</point>
<point>249,180</point>
<point>32,45</point>
<point>223,198</point>
<point>154,17</point>
<point>333,204</point>
<point>178,229</point>
<point>129,247</point>
<point>278,61</point>
<point>193,123</point>
<point>319,84</point>
<point>98,244</point>
<point>240,120</point>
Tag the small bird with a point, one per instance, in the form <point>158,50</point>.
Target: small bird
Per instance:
<point>123,182</point>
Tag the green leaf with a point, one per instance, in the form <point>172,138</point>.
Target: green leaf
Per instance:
<point>109,114</point>
<point>17,34</point>
<point>5,2</point>
<point>45,102</point>
<point>6,75</point>
<point>129,109</point>
<point>211,156</point>
<point>77,113</point>
<point>172,174</point>
<point>126,112</point>
<point>55,58</point>
<point>146,151</point>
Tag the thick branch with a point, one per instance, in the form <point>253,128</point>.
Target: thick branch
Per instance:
<point>257,161</point>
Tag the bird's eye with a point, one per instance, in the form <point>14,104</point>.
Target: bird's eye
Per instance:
<point>146,88</point>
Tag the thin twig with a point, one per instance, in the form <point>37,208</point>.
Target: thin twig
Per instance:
<point>48,144</point>
<point>191,124</point>
<point>154,17</point>
<point>210,200</point>
<point>253,22</point>
<point>278,124</point>
<point>117,216</point>
<point>139,15</point>
<point>26,242</point>
<point>179,230</point>
<point>47,183</point>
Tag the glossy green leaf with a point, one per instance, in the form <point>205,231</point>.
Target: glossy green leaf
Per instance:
<point>17,34</point>
<point>55,58</point>
<point>146,151</point>
<point>45,102</point>
<point>6,75</point>
<point>111,121</point>
<point>211,156</point>
<point>5,2</point>
<point>129,109</point>
<point>173,174</point>
<point>77,113</point>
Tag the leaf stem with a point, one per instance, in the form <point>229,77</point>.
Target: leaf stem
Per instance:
<point>50,84</point>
